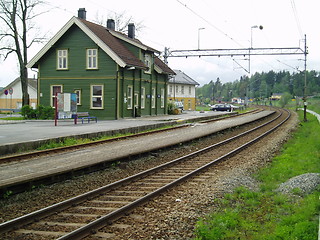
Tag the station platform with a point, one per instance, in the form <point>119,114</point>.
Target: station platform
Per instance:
<point>20,136</point>
<point>25,173</point>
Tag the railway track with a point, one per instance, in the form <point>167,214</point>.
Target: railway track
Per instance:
<point>32,154</point>
<point>84,215</point>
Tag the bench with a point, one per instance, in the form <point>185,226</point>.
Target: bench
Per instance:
<point>83,116</point>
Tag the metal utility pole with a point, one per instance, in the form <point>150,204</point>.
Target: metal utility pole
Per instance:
<point>305,80</point>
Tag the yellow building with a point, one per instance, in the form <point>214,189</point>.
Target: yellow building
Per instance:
<point>182,88</point>
<point>11,95</point>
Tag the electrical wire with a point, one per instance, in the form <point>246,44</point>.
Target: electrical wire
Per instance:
<point>212,25</point>
<point>295,13</point>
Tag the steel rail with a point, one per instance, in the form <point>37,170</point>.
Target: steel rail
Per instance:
<point>16,157</point>
<point>29,218</point>
<point>101,222</point>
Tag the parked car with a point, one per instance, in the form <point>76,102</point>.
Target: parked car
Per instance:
<point>222,107</point>
<point>179,105</point>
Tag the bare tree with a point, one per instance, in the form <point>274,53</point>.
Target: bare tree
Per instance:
<point>121,21</point>
<point>16,18</point>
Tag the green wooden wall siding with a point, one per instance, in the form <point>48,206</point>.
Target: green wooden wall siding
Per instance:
<point>108,74</point>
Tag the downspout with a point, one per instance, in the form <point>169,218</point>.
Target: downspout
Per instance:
<point>157,85</point>
<point>117,112</point>
<point>122,101</point>
<point>133,93</point>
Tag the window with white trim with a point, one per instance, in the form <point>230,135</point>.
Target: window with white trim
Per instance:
<point>162,97</point>
<point>148,62</point>
<point>136,99</point>
<point>78,92</point>
<point>62,59</point>
<point>54,90</point>
<point>92,58</point>
<point>96,96</point>
<point>190,90</point>
<point>129,97</point>
<point>153,98</point>
<point>143,97</point>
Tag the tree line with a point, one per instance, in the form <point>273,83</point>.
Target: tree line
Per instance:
<point>260,86</point>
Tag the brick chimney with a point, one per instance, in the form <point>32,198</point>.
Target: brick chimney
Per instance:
<point>111,24</point>
<point>82,13</point>
<point>131,30</point>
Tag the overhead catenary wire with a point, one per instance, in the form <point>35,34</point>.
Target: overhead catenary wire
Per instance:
<point>209,23</point>
<point>296,16</point>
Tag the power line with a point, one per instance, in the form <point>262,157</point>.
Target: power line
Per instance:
<point>215,27</point>
<point>295,13</point>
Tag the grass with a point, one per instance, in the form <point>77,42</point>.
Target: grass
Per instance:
<point>12,118</point>
<point>266,214</point>
<point>78,141</point>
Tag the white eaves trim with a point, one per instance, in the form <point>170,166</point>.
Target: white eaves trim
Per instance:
<point>158,69</point>
<point>87,31</point>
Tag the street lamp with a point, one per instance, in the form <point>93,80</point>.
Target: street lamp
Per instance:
<point>252,27</point>
<point>199,29</point>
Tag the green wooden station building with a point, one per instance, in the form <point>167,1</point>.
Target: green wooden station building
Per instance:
<point>114,75</point>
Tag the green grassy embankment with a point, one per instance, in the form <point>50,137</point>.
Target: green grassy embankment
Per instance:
<point>266,214</point>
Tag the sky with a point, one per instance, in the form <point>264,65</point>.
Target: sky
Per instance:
<point>204,24</point>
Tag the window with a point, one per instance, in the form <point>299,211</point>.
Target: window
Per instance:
<point>54,90</point>
<point>129,97</point>
<point>148,62</point>
<point>190,92</point>
<point>62,59</point>
<point>97,96</point>
<point>153,98</point>
<point>182,89</point>
<point>92,58</point>
<point>177,89</point>
<point>162,97</point>
<point>143,98</point>
<point>78,92</point>
<point>136,99</point>
<point>170,89</point>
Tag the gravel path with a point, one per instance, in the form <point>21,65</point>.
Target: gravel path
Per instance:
<point>174,214</point>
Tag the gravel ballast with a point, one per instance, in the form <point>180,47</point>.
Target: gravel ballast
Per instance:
<point>173,214</point>
<point>302,184</point>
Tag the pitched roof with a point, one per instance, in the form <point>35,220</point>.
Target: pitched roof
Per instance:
<point>112,42</point>
<point>161,67</point>
<point>107,40</point>
<point>31,82</point>
<point>182,78</point>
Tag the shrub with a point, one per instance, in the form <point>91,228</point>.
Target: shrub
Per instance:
<point>42,112</point>
<point>28,112</point>
<point>171,107</point>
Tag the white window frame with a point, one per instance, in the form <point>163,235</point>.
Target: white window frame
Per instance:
<point>92,96</point>
<point>62,59</point>
<point>92,58</point>
<point>153,98</point>
<point>148,62</point>
<point>190,90</point>
<point>136,99</point>
<point>162,97</point>
<point>78,92</point>
<point>143,97</point>
<point>182,90</point>
<point>129,97</point>
<point>53,95</point>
